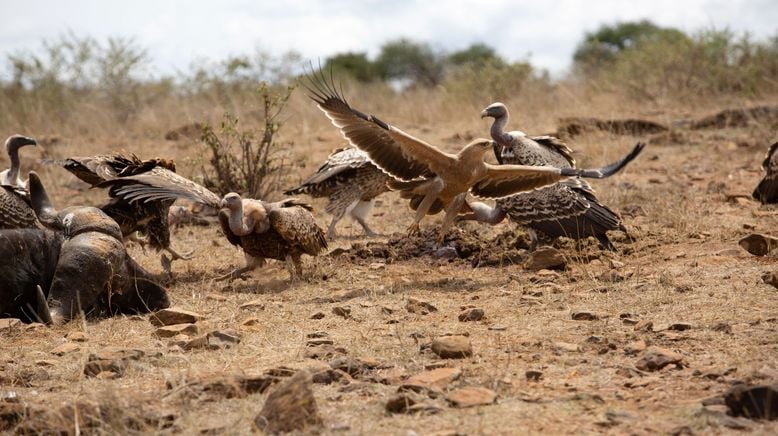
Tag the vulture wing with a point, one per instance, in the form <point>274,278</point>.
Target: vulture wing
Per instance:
<point>161,184</point>
<point>15,210</point>
<point>397,153</point>
<point>295,223</point>
<point>340,162</point>
<point>557,146</point>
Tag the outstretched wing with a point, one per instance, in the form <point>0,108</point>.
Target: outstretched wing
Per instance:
<point>397,153</point>
<point>298,227</point>
<point>161,184</point>
<point>341,164</point>
<point>95,169</point>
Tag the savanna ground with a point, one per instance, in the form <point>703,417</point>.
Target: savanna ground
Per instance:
<point>680,201</point>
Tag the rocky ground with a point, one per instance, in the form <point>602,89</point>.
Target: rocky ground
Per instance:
<point>391,335</point>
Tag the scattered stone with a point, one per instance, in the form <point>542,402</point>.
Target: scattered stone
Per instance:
<point>214,340</point>
<point>533,375</point>
<point>679,326</point>
<point>633,348</point>
<point>758,244</point>
<point>317,342</point>
<point>8,324</point>
<point>545,258</point>
<point>257,304</point>
<point>471,396</point>
<point>45,363</point>
<point>770,278</point>
<point>170,331</point>
<point>644,326</point>
<point>446,253</point>
<point>174,316</point>
<point>472,314</point>
<point>452,347</point>
<point>498,327</point>
<point>290,407</point>
<point>354,366</point>
<point>321,352</point>
<point>655,358</point>
<point>565,346</point>
<point>66,348</point>
<point>251,322</point>
<point>629,321</point>
<point>77,336</point>
<point>612,276</point>
<point>421,307</point>
<point>722,327</point>
<point>434,380</point>
<point>318,315</point>
<point>113,360</point>
<point>753,401</point>
<point>342,311</point>
<point>585,315</point>
<point>404,403</point>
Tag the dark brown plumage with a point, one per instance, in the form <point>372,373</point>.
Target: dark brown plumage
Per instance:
<point>424,170</point>
<point>767,189</point>
<point>150,217</point>
<point>351,182</point>
<point>283,230</point>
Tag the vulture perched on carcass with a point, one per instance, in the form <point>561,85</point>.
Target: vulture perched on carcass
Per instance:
<point>568,208</point>
<point>767,190</point>
<point>350,182</point>
<point>283,230</point>
<point>149,217</point>
<point>441,180</point>
<point>15,210</point>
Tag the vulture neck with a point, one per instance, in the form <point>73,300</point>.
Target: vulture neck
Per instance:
<point>498,130</point>
<point>12,176</point>
<point>237,225</point>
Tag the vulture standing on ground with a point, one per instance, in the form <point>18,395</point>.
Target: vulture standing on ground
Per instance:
<point>15,209</point>
<point>767,189</point>
<point>149,217</point>
<point>442,180</point>
<point>351,182</point>
<point>283,230</point>
<point>568,208</point>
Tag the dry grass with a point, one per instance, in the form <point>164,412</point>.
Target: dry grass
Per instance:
<point>684,266</point>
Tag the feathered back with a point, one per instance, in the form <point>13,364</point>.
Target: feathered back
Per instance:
<point>15,210</point>
<point>338,168</point>
<point>296,225</point>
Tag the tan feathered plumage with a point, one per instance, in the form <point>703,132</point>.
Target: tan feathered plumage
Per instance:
<point>282,230</point>
<point>439,177</point>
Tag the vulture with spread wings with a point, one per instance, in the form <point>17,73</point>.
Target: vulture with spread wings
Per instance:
<point>15,209</point>
<point>569,208</point>
<point>283,230</point>
<point>350,182</point>
<point>442,180</point>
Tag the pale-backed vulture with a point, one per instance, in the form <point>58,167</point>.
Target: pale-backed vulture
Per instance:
<point>568,208</point>
<point>10,177</point>
<point>421,169</point>
<point>350,182</point>
<point>283,230</point>
<point>15,209</point>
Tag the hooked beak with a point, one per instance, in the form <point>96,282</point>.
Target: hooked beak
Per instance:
<point>484,113</point>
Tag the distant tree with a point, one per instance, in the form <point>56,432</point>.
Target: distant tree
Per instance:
<point>604,46</point>
<point>356,65</point>
<point>404,59</point>
<point>476,54</point>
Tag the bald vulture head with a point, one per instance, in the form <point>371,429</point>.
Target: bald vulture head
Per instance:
<point>10,177</point>
<point>495,110</point>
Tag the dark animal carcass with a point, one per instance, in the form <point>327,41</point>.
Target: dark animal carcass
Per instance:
<point>79,263</point>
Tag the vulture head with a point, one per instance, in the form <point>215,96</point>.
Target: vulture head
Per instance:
<point>15,142</point>
<point>231,201</point>
<point>495,110</point>
<point>71,221</point>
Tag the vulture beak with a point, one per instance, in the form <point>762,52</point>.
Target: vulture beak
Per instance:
<point>484,113</point>
<point>30,141</point>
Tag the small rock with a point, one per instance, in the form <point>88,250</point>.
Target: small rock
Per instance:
<point>629,321</point>
<point>45,363</point>
<point>644,326</point>
<point>446,253</point>
<point>174,316</point>
<point>342,311</point>
<point>77,336</point>
<point>452,347</point>
<point>471,396</point>
<point>110,359</point>
<point>753,401</point>
<point>318,315</point>
<point>498,327</point>
<point>405,402</point>
<point>722,327</point>
<point>251,322</point>
<point>612,276</point>
<point>758,244</point>
<point>633,348</point>
<point>565,346</point>
<point>354,366</point>
<point>290,407</point>
<point>655,358</point>
<point>170,331</point>
<point>585,315</point>
<point>533,375</point>
<point>679,326</point>
<point>472,314</point>
<point>434,380</point>
<point>325,351</point>
<point>215,340</point>
<point>421,307</point>
<point>545,258</point>
<point>8,324</point>
<point>66,348</point>
<point>257,304</point>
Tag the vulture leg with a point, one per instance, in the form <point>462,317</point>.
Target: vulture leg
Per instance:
<point>432,190</point>
<point>533,239</point>
<point>294,266</point>
<point>331,233</point>
<point>451,214</point>
<point>359,213</point>
<point>252,263</point>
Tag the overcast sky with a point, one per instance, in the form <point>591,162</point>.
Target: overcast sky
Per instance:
<point>178,32</point>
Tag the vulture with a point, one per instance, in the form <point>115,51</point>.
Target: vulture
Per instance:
<point>350,182</point>
<point>15,209</point>
<point>283,230</point>
<point>767,189</point>
<point>569,208</point>
<point>440,180</point>
<point>149,217</point>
